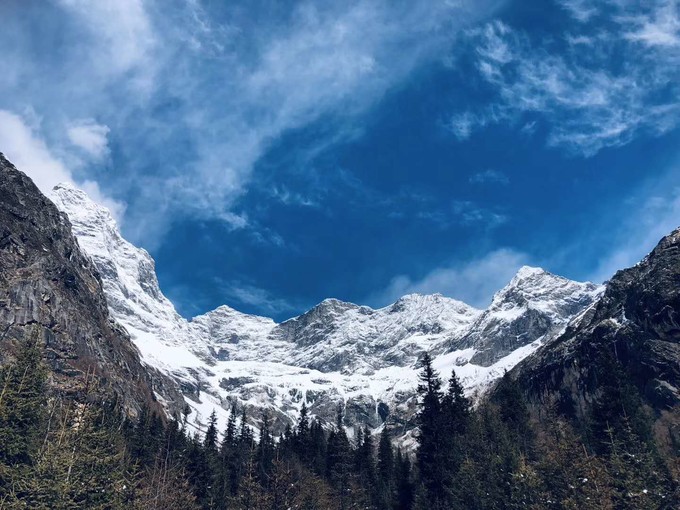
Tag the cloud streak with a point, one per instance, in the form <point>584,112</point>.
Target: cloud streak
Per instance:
<point>586,102</point>
<point>194,99</point>
<point>473,282</point>
<point>653,212</point>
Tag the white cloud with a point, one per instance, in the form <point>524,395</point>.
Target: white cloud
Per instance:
<point>588,103</point>
<point>167,74</point>
<point>651,218</point>
<point>469,213</point>
<point>196,99</point>
<point>489,176</point>
<point>29,153</point>
<point>251,295</point>
<point>582,10</point>
<point>24,147</point>
<point>123,38</point>
<point>658,28</point>
<point>474,282</point>
<point>90,137</point>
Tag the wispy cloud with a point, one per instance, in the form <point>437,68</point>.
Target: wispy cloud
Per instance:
<point>489,176</point>
<point>469,213</point>
<point>245,294</point>
<point>90,137</point>
<point>586,101</point>
<point>23,145</point>
<point>582,10</point>
<point>193,100</point>
<point>658,28</point>
<point>473,282</point>
<point>122,40</point>
<point>653,212</point>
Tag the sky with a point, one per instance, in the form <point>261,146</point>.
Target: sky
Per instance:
<point>270,154</point>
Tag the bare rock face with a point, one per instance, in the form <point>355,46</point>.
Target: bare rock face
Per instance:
<point>637,322</point>
<point>48,284</point>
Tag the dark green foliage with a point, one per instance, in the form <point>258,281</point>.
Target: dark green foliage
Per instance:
<point>69,455</point>
<point>386,473</point>
<point>443,421</point>
<point>22,399</point>
<point>403,481</point>
<point>210,438</point>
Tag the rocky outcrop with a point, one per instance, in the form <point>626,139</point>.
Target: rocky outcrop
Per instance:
<point>636,322</point>
<point>47,284</point>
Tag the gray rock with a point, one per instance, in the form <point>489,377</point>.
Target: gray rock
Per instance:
<point>48,284</point>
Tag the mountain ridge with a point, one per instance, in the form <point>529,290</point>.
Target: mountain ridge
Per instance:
<point>336,353</point>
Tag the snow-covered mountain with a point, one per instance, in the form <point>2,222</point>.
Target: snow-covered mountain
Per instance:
<point>534,307</point>
<point>336,353</point>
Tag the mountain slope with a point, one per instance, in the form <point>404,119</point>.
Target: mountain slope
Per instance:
<point>634,326</point>
<point>46,282</point>
<point>337,353</point>
<point>534,307</point>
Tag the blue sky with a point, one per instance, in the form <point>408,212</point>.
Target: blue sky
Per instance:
<point>272,154</point>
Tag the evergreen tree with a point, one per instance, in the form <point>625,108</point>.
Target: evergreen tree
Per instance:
<point>82,464</point>
<point>339,462</point>
<point>265,451</point>
<point>230,436</point>
<point>514,411</point>
<point>318,448</point>
<point>404,484</point>
<point>365,458</point>
<point>386,471</point>
<point>210,439</point>
<point>302,434</point>
<point>456,407</point>
<point>245,437</point>
<point>431,448</point>
<point>22,401</point>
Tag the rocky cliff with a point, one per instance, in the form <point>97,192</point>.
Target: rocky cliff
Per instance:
<point>47,284</point>
<point>634,327</point>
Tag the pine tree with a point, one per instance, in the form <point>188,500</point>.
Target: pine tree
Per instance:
<point>230,433</point>
<point>456,406</point>
<point>365,454</point>
<point>431,448</point>
<point>339,462</point>
<point>404,484</point>
<point>302,434</point>
<point>386,471</point>
<point>22,403</point>
<point>265,451</point>
<point>245,437</point>
<point>210,439</point>
<point>251,495</point>
<point>198,469</point>
<point>318,448</point>
<point>514,411</point>
<point>83,464</point>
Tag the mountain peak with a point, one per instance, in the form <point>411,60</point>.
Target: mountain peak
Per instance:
<point>530,271</point>
<point>85,214</point>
